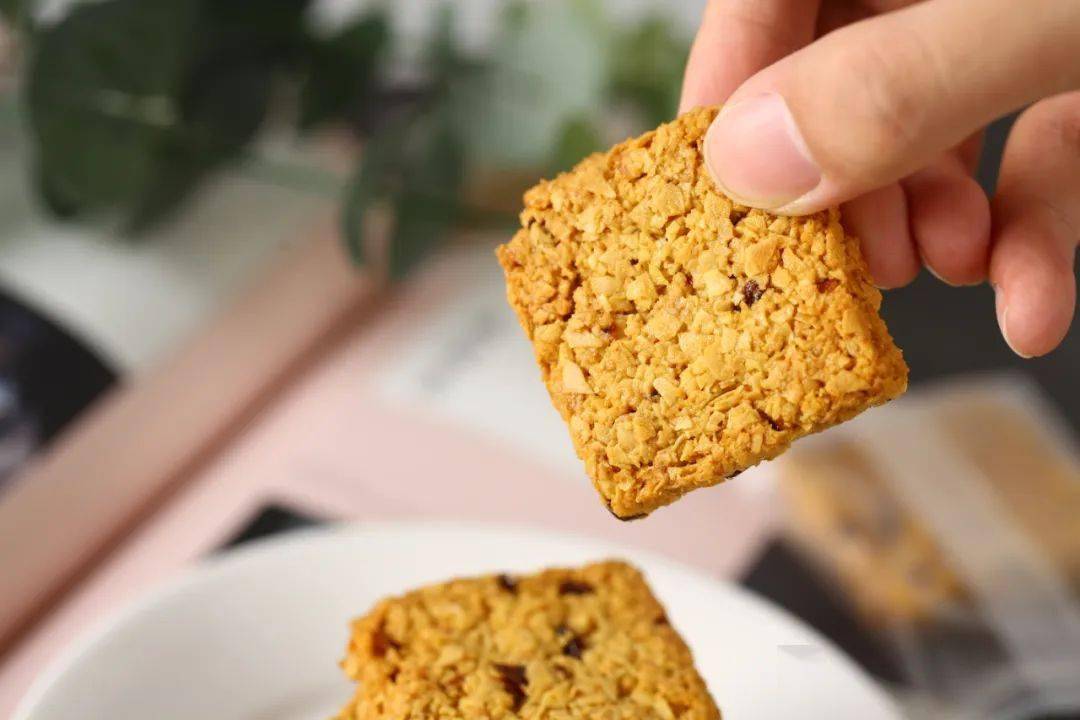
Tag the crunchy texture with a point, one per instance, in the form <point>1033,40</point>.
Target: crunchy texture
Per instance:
<point>560,645</point>
<point>682,337</point>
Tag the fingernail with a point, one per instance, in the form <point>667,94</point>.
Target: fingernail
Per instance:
<point>757,155</point>
<point>1002,310</point>
<point>930,269</point>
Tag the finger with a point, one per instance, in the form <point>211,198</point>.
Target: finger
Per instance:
<point>950,221</point>
<point>970,151</point>
<point>836,14</point>
<point>875,101</point>
<point>880,220</point>
<point>739,37</point>
<point>1037,226</point>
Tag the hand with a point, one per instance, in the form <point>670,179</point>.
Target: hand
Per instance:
<point>879,105</point>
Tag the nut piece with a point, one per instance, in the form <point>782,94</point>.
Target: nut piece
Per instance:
<point>682,337</point>
<point>760,258</point>
<point>573,379</point>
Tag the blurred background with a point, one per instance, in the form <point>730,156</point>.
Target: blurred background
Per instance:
<point>246,269</point>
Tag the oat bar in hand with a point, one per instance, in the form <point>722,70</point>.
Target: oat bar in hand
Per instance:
<point>585,643</point>
<point>685,338</point>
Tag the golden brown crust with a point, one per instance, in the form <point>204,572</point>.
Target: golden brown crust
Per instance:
<point>560,645</point>
<point>684,338</point>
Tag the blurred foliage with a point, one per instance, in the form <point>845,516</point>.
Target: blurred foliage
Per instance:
<point>132,103</point>
<point>102,122</point>
<point>339,75</point>
<point>413,166</point>
<point>11,10</point>
<point>578,137</point>
<point>648,68</point>
<point>549,64</point>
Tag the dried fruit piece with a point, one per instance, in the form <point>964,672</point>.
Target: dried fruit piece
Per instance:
<point>574,647</point>
<point>574,587</point>
<point>381,642</point>
<point>514,682</point>
<point>752,292</point>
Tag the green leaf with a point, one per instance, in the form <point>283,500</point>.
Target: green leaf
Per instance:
<point>272,29</point>
<point>514,15</point>
<point>342,71</point>
<point>376,178</point>
<point>355,205</point>
<point>578,137</point>
<point>548,65</point>
<point>221,111</point>
<point>430,202</point>
<point>441,53</point>
<point>456,80</point>
<point>52,198</point>
<point>18,15</point>
<point>13,10</point>
<point>131,103</point>
<point>415,170</point>
<point>96,114</point>
<point>647,67</point>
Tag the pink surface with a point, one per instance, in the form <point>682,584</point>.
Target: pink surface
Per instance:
<point>332,449</point>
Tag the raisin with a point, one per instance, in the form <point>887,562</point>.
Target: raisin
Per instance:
<point>381,642</point>
<point>514,682</point>
<point>824,286</point>
<point>574,647</point>
<point>774,424</point>
<point>752,292</point>
<point>507,583</point>
<point>574,587</point>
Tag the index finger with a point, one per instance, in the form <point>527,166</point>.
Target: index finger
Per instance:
<point>739,37</point>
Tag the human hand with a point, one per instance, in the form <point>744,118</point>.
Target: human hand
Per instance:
<point>879,105</point>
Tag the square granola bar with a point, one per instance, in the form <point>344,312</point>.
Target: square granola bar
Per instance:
<point>683,337</point>
<point>582,643</point>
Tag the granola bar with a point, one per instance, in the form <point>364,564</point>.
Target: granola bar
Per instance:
<point>563,644</point>
<point>851,517</point>
<point>683,337</point>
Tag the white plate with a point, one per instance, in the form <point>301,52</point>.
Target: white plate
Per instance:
<point>256,634</point>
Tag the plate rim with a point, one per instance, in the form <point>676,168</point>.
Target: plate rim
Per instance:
<point>203,569</point>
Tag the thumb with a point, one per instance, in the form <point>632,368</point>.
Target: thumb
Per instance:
<point>871,103</point>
